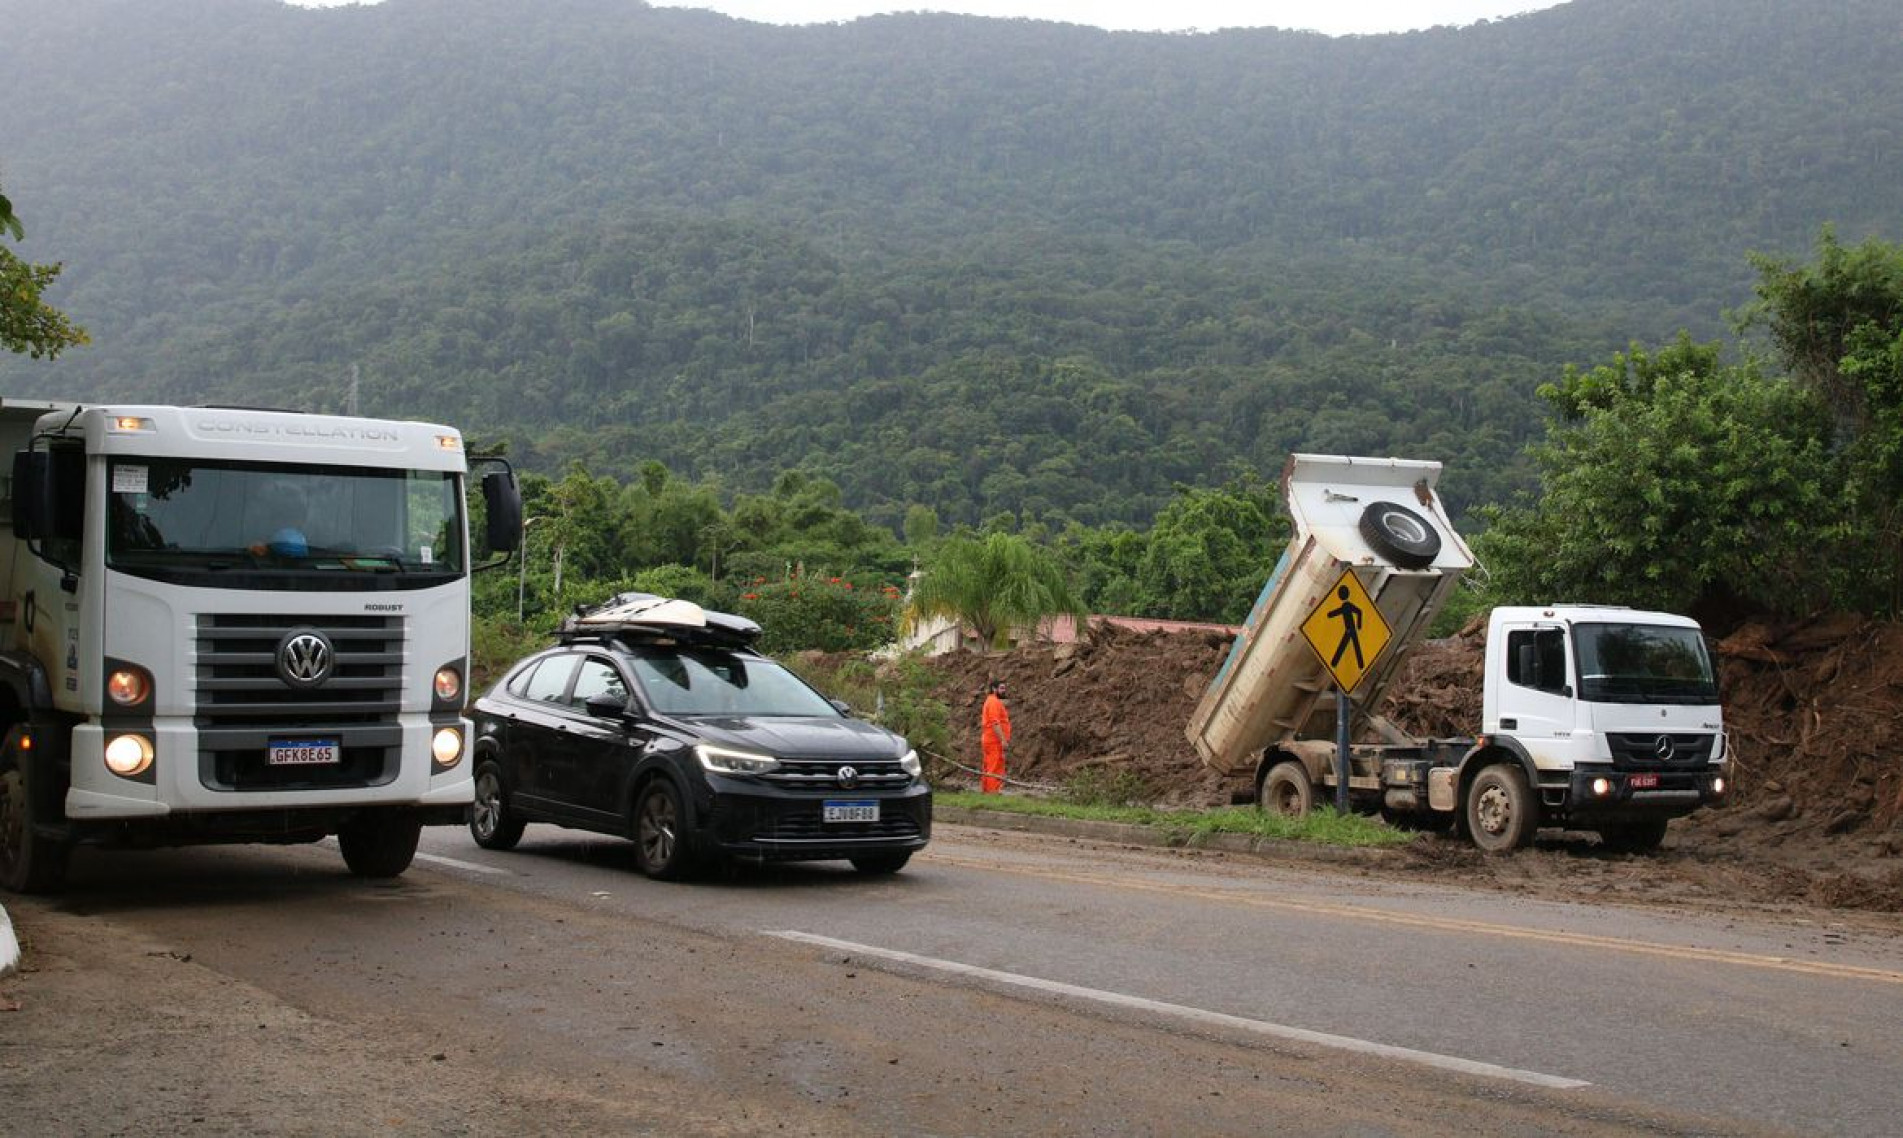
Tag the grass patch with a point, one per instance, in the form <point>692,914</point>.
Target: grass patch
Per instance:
<point>1323,826</point>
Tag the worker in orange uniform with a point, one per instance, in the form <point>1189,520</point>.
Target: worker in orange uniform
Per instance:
<point>994,728</point>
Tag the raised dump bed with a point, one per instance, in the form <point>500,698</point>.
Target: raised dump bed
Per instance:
<point>1379,517</point>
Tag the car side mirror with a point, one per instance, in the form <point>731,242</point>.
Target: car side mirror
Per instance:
<point>841,706</point>
<point>606,705</point>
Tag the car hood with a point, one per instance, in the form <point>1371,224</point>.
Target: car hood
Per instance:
<point>793,737</point>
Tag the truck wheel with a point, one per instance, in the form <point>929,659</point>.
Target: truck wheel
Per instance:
<point>1501,813</point>
<point>30,862</point>
<point>660,833</point>
<point>1286,791</point>
<point>380,843</point>
<point>491,822</point>
<point>1400,535</point>
<point>1634,837</point>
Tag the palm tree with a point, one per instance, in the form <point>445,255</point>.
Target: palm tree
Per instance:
<point>993,585</point>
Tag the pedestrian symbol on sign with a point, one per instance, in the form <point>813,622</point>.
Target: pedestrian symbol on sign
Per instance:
<point>1347,631</point>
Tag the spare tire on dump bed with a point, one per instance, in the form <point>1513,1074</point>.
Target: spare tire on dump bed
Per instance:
<point>1400,535</point>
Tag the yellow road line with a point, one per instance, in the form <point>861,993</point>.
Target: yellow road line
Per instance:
<point>1446,924</point>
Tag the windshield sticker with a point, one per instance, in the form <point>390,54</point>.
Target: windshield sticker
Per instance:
<point>130,480</point>
<point>426,555</point>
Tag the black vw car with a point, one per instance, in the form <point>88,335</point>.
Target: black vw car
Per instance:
<point>658,721</point>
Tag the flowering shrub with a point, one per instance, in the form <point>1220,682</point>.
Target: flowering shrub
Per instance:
<point>829,614</point>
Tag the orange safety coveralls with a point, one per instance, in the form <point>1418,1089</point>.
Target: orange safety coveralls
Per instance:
<point>995,729</point>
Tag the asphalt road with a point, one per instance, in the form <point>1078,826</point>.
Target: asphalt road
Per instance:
<point>1004,983</point>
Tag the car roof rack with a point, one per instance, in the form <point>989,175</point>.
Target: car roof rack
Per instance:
<point>647,618</point>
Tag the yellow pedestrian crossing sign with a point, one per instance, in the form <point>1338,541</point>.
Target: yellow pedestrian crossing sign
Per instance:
<point>1347,631</point>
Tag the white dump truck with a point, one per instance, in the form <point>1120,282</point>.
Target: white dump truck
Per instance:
<point>223,625</point>
<point>1594,718</point>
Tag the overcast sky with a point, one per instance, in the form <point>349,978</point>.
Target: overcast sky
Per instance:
<point>1335,17</point>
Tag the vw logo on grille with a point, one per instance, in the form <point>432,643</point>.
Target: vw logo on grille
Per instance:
<point>305,658</point>
<point>848,777</point>
<point>1664,748</point>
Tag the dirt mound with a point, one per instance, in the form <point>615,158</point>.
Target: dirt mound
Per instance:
<point>1814,711</point>
<point>1115,704</point>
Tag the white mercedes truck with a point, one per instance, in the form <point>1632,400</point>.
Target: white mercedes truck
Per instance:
<point>232,625</point>
<point>1594,717</point>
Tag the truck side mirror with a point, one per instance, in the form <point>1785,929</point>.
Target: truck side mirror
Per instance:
<point>1529,666</point>
<point>503,499</point>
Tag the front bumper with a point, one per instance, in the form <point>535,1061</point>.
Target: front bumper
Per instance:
<point>1672,794</point>
<point>763,823</point>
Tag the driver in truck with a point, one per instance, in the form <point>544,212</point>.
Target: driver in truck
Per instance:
<point>286,509</point>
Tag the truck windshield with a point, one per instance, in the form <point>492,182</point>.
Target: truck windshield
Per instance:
<point>195,521</point>
<point>1643,663</point>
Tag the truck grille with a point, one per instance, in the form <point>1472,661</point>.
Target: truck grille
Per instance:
<point>243,703</point>
<point>1642,751</point>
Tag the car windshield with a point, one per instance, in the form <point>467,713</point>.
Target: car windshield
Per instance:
<point>709,681</point>
<point>179,518</point>
<point>1644,663</point>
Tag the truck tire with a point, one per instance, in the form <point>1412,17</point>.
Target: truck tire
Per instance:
<point>30,862</point>
<point>1286,791</point>
<point>1500,812</point>
<point>492,822</point>
<point>380,843</point>
<point>1634,837</point>
<point>1400,535</point>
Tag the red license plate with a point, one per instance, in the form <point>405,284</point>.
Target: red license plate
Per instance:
<point>1643,781</point>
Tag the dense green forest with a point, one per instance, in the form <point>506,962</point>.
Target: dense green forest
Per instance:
<point>982,267</point>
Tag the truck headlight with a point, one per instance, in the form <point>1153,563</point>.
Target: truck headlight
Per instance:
<point>908,762</point>
<point>128,756</point>
<point>723,760</point>
<point>449,684</point>
<point>1718,785</point>
<point>446,746</point>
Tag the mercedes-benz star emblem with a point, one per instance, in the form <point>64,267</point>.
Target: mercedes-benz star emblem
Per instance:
<point>305,657</point>
<point>1664,748</point>
<point>848,777</point>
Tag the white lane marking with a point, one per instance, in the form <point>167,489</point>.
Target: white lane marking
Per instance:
<point>1197,1015</point>
<point>454,864</point>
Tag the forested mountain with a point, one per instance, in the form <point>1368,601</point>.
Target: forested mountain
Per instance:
<point>981,265</point>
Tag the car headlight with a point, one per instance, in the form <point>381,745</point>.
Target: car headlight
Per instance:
<point>723,760</point>
<point>908,762</point>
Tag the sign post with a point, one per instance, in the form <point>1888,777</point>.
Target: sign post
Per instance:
<point>1348,633</point>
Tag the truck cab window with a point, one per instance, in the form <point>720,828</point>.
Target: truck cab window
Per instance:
<point>1536,658</point>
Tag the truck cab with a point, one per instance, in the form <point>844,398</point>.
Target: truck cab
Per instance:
<point>1613,713</point>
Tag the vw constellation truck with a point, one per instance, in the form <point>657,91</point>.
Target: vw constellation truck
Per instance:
<point>224,625</point>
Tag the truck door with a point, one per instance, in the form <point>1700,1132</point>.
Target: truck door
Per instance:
<point>1536,701</point>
